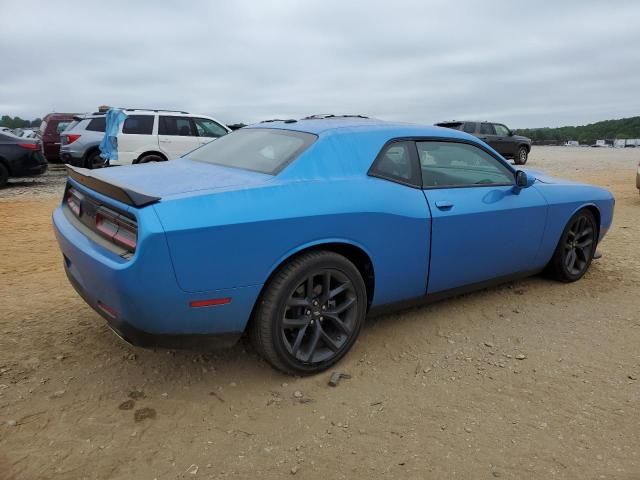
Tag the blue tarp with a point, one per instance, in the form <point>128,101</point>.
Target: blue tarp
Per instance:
<point>109,144</point>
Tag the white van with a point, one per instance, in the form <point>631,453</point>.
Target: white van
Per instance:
<point>159,135</point>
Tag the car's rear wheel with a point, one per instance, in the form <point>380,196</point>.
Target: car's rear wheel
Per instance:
<point>576,248</point>
<point>310,314</point>
<point>521,157</point>
<point>94,160</point>
<point>4,175</point>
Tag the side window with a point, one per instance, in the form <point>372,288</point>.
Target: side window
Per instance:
<point>501,130</point>
<point>469,127</point>
<point>446,164</point>
<point>138,124</point>
<point>97,124</point>
<point>208,128</point>
<point>176,126</point>
<point>61,126</point>
<point>487,129</point>
<point>395,162</point>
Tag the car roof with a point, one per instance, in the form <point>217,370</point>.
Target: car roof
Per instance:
<point>326,125</point>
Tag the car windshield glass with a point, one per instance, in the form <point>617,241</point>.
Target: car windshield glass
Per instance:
<point>258,149</point>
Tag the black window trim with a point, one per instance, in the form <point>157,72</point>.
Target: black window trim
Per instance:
<point>416,158</point>
<point>413,152</point>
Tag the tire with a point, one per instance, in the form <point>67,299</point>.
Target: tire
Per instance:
<point>302,327</point>
<point>94,160</point>
<point>4,175</point>
<point>566,266</point>
<point>521,157</point>
<point>152,158</point>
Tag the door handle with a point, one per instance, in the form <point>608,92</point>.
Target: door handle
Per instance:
<point>444,204</point>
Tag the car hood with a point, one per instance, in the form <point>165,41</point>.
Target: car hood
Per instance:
<point>520,138</point>
<point>546,178</point>
<point>177,177</point>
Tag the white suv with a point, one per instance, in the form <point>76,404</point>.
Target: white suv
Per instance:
<point>158,135</point>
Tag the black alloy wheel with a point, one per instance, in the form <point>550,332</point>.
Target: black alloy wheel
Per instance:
<point>310,313</point>
<point>320,316</point>
<point>577,246</point>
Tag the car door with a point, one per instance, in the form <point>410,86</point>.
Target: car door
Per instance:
<point>488,135</point>
<point>208,130</point>
<point>176,135</point>
<point>135,137</point>
<point>483,225</point>
<point>503,141</point>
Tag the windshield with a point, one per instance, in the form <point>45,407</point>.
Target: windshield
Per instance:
<point>261,150</point>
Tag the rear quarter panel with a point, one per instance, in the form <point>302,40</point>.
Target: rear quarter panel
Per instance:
<point>238,238</point>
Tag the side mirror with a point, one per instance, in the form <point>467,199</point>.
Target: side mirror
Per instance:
<point>511,133</point>
<point>524,179</point>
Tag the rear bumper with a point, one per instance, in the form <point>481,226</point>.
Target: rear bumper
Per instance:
<point>133,335</point>
<point>140,298</point>
<point>34,164</point>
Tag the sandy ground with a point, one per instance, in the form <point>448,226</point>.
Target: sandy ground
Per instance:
<point>437,392</point>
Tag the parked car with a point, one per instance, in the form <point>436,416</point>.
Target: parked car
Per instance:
<point>295,230</point>
<point>25,133</point>
<point>498,136</point>
<point>20,157</point>
<point>7,130</point>
<point>159,135</point>
<point>80,141</point>
<point>51,127</point>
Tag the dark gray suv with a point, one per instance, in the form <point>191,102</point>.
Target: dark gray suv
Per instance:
<point>79,141</point>
<point>498,136</point>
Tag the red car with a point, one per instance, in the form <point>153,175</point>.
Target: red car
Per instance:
<point>50,128</point>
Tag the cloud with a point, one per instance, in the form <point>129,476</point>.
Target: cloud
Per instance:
<point>522,63</point>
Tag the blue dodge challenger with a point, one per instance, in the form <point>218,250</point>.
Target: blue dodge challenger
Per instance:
<point>295,230</point>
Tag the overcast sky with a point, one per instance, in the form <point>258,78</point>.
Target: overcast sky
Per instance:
<point>524,63</point>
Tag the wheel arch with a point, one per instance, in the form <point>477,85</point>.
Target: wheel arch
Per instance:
<point>90,151</point>
<point>353,252</point>
<point>150,152</point>
<point>526,146</point>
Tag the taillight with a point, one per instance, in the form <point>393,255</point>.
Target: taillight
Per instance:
<point>117,228</point>
<point>73,200</point>
<point>30,146</point>
<point>69,139</point>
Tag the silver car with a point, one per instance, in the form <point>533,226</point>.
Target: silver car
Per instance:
<point>79,141</point>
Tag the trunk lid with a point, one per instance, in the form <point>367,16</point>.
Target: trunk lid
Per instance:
<point>154,181</point>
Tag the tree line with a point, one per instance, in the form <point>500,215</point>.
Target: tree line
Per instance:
<point>587,134</point>
<point>17,122</point>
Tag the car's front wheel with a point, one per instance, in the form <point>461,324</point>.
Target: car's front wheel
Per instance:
<point>310,313</point>
<point>521,157</point>
<point>576,248</point>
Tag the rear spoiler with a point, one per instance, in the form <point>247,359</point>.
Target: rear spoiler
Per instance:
<point>121,193</point>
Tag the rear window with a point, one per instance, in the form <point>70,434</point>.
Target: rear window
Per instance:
<point>454,125</point>
<point>138,124</point>
<point>96,124</point>
<point>261,150</point>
